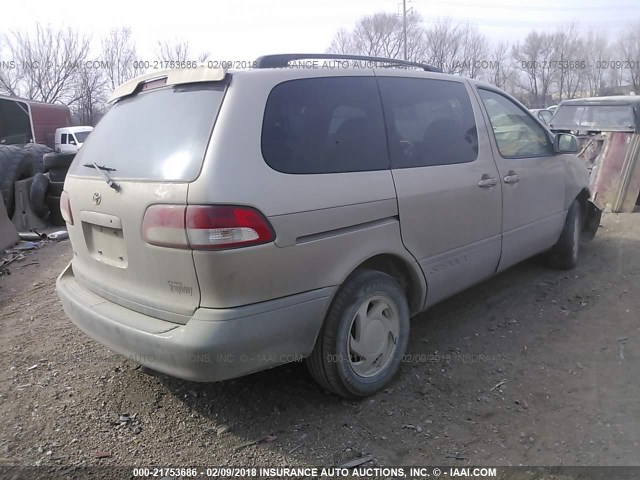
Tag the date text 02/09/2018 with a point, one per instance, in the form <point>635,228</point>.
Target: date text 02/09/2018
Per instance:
<point>323,472</point>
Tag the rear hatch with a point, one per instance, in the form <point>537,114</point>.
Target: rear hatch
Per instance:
<point>151,145</point>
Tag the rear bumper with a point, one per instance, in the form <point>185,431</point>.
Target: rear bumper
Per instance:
<point>216,344</point>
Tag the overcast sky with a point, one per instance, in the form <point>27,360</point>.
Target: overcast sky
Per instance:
<point>245,29</point>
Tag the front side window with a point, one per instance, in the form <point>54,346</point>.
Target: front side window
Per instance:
<point>324,125</point>
<point>517,134</point>
<point>429,122</point>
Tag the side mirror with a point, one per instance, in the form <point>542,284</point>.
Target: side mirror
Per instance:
<point>72,142</point>
<point>565,143</point>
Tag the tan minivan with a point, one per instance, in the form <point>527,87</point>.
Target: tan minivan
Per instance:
<point>254,218</point>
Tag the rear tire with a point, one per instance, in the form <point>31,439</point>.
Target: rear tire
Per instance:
<point>15,164</point>
<point>564,254</point>
<point>364,336</point>
<point>38,193</point>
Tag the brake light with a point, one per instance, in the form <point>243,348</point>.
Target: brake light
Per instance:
<point>224,226</point>
<point>65,208</point>
<point>205,227</point>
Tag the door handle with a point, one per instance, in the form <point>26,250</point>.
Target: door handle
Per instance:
<point>511,177</point>
<point>487,182</point>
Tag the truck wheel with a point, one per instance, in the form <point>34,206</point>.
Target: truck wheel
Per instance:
<point>37,194</point>
<point>364,336</point>
<point>37,151</point>
<point>55,160</point>
<point>15,164</point>
<point>564,254</point>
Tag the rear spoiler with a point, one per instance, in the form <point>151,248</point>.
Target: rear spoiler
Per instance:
<point>173,77</point>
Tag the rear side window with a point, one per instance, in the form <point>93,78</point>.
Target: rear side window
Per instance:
<point>324,125</point>
<point>429,122</point>
<point>159,135</point>
<point>63,138</point>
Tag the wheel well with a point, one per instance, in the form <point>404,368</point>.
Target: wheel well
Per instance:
<point>398,269</point>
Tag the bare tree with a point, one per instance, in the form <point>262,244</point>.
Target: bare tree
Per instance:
<point>10,76</point>
<point>119,53</point>
<point>444,46</point>
<point>342,43</point>
<point>474,52</point>
<point>48,64</point>
<point>629,47</point>
<point>535,58</point>
<point>501,72</point>
<point>381,35</point>
<point>91,87</point>
<point>178,51</point>
<point>568,58</point>
<point>596,48</point>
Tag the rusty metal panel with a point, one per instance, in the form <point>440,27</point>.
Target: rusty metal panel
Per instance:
<point>46,118</point>
<point>612,158</point>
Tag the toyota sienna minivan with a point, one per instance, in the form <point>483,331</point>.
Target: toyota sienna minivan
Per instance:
<point>258,217</point>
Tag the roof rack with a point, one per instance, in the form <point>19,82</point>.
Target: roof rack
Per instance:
<point>282,60</point>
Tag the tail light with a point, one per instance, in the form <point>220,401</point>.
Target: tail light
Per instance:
<point>65,208</point>
<point>163,225</point>
<point>205,227</point>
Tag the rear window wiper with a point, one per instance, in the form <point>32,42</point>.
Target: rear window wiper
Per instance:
<point>103,170</point>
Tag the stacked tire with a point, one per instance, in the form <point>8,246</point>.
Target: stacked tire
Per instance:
<point>37,153</point>
<point>47,187</point>
<point>16,163</point>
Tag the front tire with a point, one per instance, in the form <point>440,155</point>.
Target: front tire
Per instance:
<point>364,336</point>
<point>564,254</point>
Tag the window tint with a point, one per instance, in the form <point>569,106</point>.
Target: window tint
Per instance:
<point>429,122</point>
<point>63,138</point>
<point>324,125</point>
<point>517,134</point>
<point>616,117</point>
<point>159,134</point>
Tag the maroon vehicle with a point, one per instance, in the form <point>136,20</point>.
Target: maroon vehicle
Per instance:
<point>608,132</point>
<point>27,133</point>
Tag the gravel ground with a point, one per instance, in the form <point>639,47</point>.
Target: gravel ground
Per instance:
<point>532,367</point>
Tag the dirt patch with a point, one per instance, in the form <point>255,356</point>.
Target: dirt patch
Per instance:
<point>534,367</point>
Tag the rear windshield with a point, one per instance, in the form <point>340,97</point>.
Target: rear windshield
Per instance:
<point>589,117</point>
<point>157,135</point>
